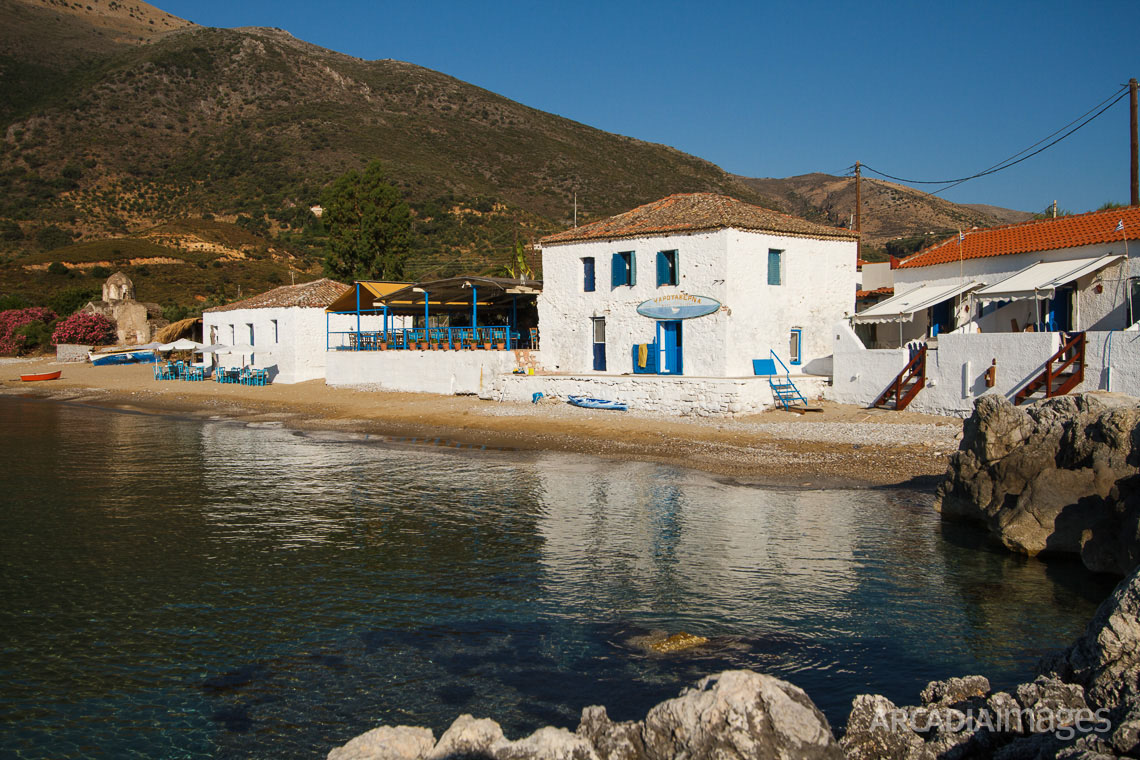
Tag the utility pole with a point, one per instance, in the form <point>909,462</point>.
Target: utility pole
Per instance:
<point>858,208</point>
<point>1135,150</point>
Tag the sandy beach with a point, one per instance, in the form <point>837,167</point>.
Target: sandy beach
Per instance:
<point>842,445</point>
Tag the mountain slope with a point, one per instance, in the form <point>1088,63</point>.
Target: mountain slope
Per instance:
<point>895,219</point>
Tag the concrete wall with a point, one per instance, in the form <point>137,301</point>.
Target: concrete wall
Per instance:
<point>703,397</point>
<point>956,369</point>
<point>445,372</point>
<point>727,265</point>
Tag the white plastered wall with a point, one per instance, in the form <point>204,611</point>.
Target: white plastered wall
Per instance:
<point>297,354</point>
<point>730,266</point>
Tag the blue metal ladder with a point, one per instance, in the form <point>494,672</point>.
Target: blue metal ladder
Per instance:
<point>783,389</point>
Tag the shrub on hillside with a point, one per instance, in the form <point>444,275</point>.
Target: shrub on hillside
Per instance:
<point>86,328</point>
<point>12,340</point>
<point>69,300</point>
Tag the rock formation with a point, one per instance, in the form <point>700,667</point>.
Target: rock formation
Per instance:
<point>736,714</point>
<point>1058,477</point>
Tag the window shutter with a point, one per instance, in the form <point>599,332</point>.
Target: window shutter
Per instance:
<point>588,274</point>
<point>662,269</point>
<point>632,268</point>
<point>617,270</point>
<point>773,267</point>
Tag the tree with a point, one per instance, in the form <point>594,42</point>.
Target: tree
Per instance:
<point>370,227</point>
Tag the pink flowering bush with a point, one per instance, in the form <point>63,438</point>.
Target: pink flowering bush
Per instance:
<point>15,324</point>
<point>84,327</point>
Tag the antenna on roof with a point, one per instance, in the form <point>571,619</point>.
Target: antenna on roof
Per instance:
<point>575,208</point>
<point>293,277</point>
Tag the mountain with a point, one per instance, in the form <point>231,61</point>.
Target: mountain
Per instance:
<point>120,121</point>
<point>896,219</point>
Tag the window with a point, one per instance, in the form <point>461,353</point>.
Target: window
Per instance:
<point>588,274</point>
<point>775,262</point>
<point>666,268</point>
<point>250,326</point>
<point>624,271</point>
<point>1133,300</point>
<point>794,345</point>
<point>233,335</point>
<point>276,339</point>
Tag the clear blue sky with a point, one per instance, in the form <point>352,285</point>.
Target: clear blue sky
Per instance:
<point>918,90</point>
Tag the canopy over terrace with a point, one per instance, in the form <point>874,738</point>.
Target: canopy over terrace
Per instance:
<point>479,302</point>
<point>902,308</point>
<point>1041,280</point>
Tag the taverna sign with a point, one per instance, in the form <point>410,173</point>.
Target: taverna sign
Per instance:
<point>678,306</point>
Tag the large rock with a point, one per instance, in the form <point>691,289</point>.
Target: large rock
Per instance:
<point>736,714</point>
<point>1105,660</point>
<point>387,743</point>
<point>1060,476</point>
<point>739,714</point>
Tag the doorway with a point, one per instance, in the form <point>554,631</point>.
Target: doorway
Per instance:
<point>670,347</point>
<point>599,342</point>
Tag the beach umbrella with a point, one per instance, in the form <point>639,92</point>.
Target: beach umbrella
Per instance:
<point>182,344</point>
<point>213,348</point>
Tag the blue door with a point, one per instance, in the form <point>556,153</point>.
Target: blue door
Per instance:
<point>669,342</point>
<point>599,335</point>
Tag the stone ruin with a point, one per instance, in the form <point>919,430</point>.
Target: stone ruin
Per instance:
<point>135,321</point>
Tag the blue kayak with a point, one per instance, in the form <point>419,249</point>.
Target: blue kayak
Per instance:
<point>597,403</point>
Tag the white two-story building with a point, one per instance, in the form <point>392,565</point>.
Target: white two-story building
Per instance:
<point>694,285</point>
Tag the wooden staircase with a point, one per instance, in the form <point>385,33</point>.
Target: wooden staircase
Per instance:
<point>906,384</point>
<point>1064,371</point>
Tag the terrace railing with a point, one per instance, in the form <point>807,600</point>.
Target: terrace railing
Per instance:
<point>498,338</point>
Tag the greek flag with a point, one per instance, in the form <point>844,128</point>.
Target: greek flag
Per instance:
<point>1119,226</point>
<point>961,236</point>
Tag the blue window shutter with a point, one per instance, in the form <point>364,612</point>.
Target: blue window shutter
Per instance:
<point>662,269</point>
<point>617,270</point>
<point>632,268</point>
<point>773,267</point>
<point>588,274</point>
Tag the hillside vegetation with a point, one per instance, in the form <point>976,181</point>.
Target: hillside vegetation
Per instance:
<point>121,123</point>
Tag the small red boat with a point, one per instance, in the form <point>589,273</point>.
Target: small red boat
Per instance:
<point>42,376</point>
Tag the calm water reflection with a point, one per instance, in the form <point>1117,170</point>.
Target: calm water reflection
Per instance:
<point>173,588</point>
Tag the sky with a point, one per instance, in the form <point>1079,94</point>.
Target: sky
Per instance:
<point>918,90</point>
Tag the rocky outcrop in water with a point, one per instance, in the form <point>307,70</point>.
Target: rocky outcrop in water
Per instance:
<point>1085,703</point>
<point>736,714</point>
<point>1058,477</point>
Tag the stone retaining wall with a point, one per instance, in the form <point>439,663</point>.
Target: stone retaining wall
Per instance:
<point>71,352</point>
<point>703,397</point>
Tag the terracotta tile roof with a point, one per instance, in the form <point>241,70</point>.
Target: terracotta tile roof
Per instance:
<point>1027,237</point>
<point>689,212</point>
<point>861,294</point>
<point>315,295</point>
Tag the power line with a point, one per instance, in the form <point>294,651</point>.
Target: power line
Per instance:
<point>1111,100</point>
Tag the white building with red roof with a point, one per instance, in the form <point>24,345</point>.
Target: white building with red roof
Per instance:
<point>694,285</point>
<point>1026,310</point>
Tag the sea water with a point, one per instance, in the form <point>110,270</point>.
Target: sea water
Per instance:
<point>181,588</point>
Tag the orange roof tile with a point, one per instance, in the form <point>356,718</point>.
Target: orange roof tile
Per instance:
<point>859,294</point>
<point>1027,237</point>
<point>688,212</point>
<point>317,294</point>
